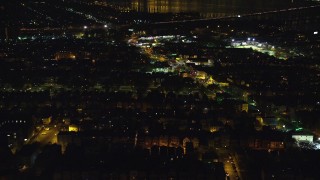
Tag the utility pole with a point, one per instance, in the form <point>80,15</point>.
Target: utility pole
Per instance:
<point>6,34</point>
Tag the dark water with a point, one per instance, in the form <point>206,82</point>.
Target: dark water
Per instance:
<point>209,8</point>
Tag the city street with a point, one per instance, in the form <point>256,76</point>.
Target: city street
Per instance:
<point>230,163</point>
<point>45,136</point>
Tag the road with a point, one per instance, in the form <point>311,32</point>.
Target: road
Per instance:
<point>45,136</point>
<point>231,166</point>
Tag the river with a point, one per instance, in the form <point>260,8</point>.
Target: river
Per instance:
<point>208,8</point>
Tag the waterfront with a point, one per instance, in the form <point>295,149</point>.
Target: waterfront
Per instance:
<point>207,8</point>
